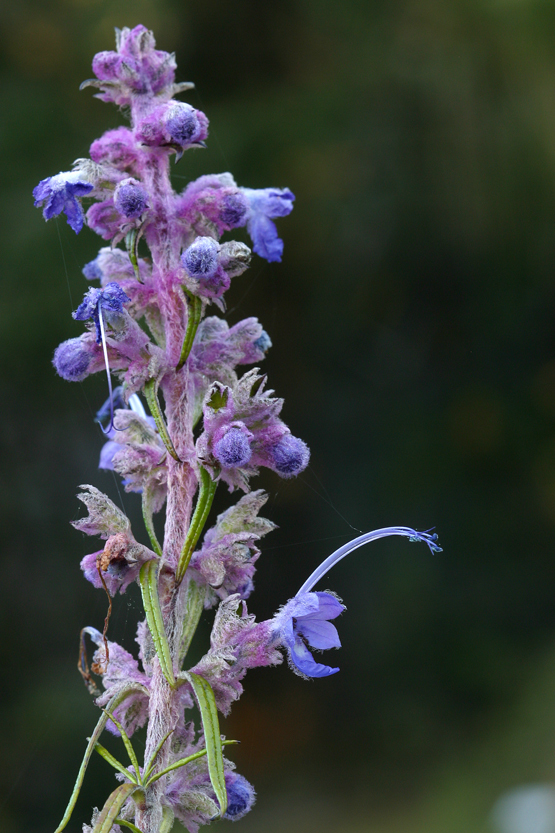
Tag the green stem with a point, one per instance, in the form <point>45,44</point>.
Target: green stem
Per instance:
<point>195,314</point>
<point>148,579</point>
<point>116,700</point>
<point>147,518</point>
<point>154,405</point>
<point>206,494</point>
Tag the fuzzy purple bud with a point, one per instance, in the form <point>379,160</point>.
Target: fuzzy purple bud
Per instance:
<point>290,456</point>
<point>201,258</point>
<point>130,198</point>
<point>233,449</point>
<point>233,210</point>
<point>71,360</point>
<point>240,796</point>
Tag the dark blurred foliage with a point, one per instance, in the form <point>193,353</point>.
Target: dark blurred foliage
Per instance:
<point>412,321</point>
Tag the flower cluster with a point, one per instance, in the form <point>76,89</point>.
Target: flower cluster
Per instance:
<point>145,321</point>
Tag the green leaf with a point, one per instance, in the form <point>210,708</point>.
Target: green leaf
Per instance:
<point>110,811</point>
<point>113,761</point>
<point>128,745</point>
<point>132,246</point>
<point>147,517</point>
<point>167,820</point>
<point>183,761</point>
<point>193,320</point>
<point>93,740</point>
<point>207,490</point>
<point>194,605</point>
<point>128,824</point>
<point>148,579</point>
<point>211,727</point>
<point>150,765</point>
<point>154,405</point>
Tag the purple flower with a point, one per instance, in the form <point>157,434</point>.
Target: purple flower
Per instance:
<point>60,193</point>
<point>304,620</point>
<point>130,198</point>
<point>110,300</point>
<point>137,69</point>
<point>266,203</point>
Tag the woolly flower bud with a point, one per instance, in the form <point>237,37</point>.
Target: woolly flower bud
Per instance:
<point>240,796</point>
<point>175,125</point>
<point>233,449</point>
<point>71,360</point>
<point>201,258</point>
<point>233,210</point>
<point>130,198</point>
<point>290,456</point>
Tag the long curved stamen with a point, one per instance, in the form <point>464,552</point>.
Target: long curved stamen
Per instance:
<point>331,560</point>
<point>106,362</point>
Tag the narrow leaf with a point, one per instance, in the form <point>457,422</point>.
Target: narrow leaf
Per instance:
<point>110,811</point>
<point>149,767</point>
<point>128,824</point>
<point>128,745</point>
<point>113,704</point>
<point>149,524</point>
<point>167,819</point>
<point>154,405</point>
<point>148,578</point>
<point>132,246</point>
<point>113,761</point>
<point>194,605</point>
<point>206,494</point>
<point>195,314</point>
<point>210,724</point>
<point>184,761</point>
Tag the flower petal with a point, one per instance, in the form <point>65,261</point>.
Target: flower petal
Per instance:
<point>320,634</point>
<point>303,659</point>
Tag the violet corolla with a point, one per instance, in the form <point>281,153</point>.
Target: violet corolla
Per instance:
<point>304,620</point>
<point>208,420</point>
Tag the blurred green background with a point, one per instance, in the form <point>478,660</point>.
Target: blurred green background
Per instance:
<point>414,343</point>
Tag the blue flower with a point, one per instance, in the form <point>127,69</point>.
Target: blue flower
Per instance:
<point>110,300</point>
<point>304,621</point>
<point>266,203</point>
<point>60,193</point>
